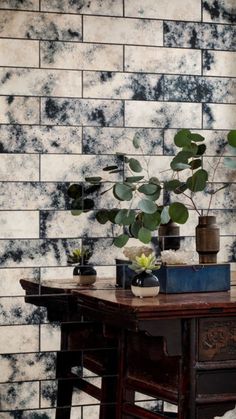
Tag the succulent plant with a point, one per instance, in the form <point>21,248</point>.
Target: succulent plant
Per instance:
<point>80,256</point>
<point>144,263</point>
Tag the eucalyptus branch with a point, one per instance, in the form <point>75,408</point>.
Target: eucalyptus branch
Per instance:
<point>213,177</point>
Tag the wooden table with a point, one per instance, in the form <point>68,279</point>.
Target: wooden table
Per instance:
<point>190,336</point>
<point>181,346</point>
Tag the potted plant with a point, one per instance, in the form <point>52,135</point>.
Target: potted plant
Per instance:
<point>84,273</point>
<point>189,161</point>
<point>145,283</point>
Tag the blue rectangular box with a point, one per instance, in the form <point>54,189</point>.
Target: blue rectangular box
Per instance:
<point>181,278</point>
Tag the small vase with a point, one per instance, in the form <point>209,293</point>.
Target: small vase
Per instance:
<point>85,275</point>
<point>207,239</point>
<point>145,285</point>
<point>169,236</point>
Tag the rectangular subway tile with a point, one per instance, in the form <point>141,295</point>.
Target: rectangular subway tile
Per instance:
<point>67,55</point>
<point>40,139</point>
<point>21,339</point>
<point>63,224</point>
<point>10,280</point>
<point>22,367</point>
<point>11,53</point>
<point>16,167</point>
<point>199,89</point>
<point>19,396</point>
<point>33,195</point>
<point>162,115</point>
<point>222,11</point>
<point>162,60</point>
<point>25,414</point>
<point>25,225</point>
<point>82,112</point>
<point>112,85</point>
<point>87,7</point>
<point>39,82</point>
<point>14,310</point>
<point>33,253</point>
<point>75,168</point>
<point>50,337</point>
<point>199,35</point>
<point>30,25</point>
<point>98,140</point>
<point>219,116</point>
<point>219,63</point>
<point>20,5</point>
<point>163,9</point>
<point>19,110</point>
<point>123,30</point>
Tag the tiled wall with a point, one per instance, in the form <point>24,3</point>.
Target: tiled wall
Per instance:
<point>77,80</point>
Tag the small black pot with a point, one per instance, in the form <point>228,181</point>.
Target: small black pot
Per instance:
<point>85,275</point>
<point>145,285</point>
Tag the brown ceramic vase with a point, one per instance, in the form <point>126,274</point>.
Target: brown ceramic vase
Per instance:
<point>207,239</point>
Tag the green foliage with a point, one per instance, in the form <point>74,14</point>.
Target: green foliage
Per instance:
<point>144,263</point>
<point>80,255</point>
<point>143,214</point>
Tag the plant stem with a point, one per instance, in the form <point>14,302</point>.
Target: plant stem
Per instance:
<point>213,177</point>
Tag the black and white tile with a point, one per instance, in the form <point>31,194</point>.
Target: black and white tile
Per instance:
<point>19,110</point>
<point>159,9</point>
<point>11,53</point>
<point>96,7</point>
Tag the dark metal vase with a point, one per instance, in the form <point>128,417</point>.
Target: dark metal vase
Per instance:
<point>169,236</point>
<point>85,275</point>
<point>207,239</point>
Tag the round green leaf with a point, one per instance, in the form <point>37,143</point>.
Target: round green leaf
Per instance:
<point>182,138</point>
<point>154,180</point>
<point>195,164</point>
<point>148,188</point>
<point>102,216</point>
<point>152,221</point>
<point>144,235</point>
<point>109,168</point>
<point>135,166</point>
<point>112,215</point>
<point>121,240</point>
<point>177,166</point>
<point>196,137</point>
<point>122,192</point>
<point>198,181</point>
<point>76,212</point>
<point>134,228</point>
<point>178,212</point>
<point>232,138</point>
<point>191,148</point>
<point>88,204</point>
<point>75,191</point>
<point>125,217</point>
<point>156,195</point>
<point>147,206</point>
<point>172,185</point>
<point>136,140</point>
<point>165,217</point>
<point>201,149</point>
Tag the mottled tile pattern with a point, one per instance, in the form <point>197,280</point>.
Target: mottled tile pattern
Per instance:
<point>82,112</point>
<point>111,140</point>
<point>199,89</point>
<point>41,26</point>
<point>219,116</point>
<point>22,4</point>
<point>16,167</point>
<point>40,139</point>
<point>122,85</point>
<point>37,82</point>
<point>96,7</point>
<point>162,60</point>
<point>214,63</point>
<point>123,30</point>
<point>162,115</point>
<point>221,11</point>
<point>11,53</point>
<point>78,80</point>
<point>81,56</point>
<point>33,196</point>
<point>19,110</point>
<point>199,35</point>
<point>162,9</point>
